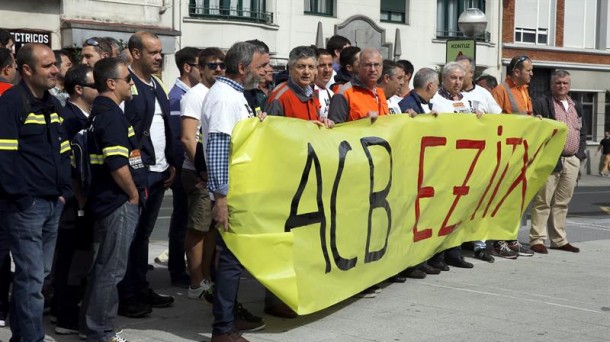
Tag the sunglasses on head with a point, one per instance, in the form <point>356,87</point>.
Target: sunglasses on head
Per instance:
<point>213,66</point>
<point>519,61</point>
<point>92,42</point>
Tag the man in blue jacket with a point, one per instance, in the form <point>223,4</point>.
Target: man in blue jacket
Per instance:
<point>148,112</point>
<point>34,183</point>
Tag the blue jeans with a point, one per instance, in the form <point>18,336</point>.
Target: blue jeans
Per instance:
<point>228,272</point>
<point>112,237</point>
<point>177,229</point>
<point>134,284</point>
<point>32,234</point>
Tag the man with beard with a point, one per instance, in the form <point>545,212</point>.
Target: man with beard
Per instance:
<point>224,106</point>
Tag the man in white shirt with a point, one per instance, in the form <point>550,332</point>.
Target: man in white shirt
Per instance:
<point>324,75</point>
<point>479,97</point>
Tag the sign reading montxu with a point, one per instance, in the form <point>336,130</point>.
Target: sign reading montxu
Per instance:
<point>317,215</point>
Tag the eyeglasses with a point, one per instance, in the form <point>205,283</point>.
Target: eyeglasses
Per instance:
<point>92,42</point>
<point>519,61</point>
<point>213,66</point>
<point>127,79</point>
<point>371,65</point>
<point>88,85</point>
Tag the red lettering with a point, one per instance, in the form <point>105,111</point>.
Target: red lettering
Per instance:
<point>520,179</point>
<point>493,175</point>
<point>509,141</point>
<point>462,190</point>
<point>424,191</point>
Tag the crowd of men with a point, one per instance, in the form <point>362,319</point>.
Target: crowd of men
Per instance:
<point>90,225</point>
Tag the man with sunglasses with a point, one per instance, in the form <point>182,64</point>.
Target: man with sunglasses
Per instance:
<point>94,49</point>
<point>148,112</point>
<point>513,97</point>
<point>74,238</point>
<point>186,61</point>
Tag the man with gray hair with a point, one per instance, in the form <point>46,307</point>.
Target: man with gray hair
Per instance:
<point>391,81</point>
<point>294,98</point>
<point>361,98</point>
<point>550,205</point>
<point>449,98</point>
<point>223,107</point>
<point>425,86</point>
<point>478,96</point>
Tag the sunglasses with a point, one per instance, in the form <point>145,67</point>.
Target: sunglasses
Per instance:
<point>194,65</point>
<point>88,85</point>
<point>519,61</point>
<point>127,79</point>
<point>213,66</point>
<point>92,42</point>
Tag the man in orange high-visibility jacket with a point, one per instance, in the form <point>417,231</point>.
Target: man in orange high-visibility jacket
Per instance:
<point>361,98</point>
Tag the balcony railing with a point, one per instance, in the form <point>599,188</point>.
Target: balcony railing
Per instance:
<point>230,13</point>
<point>483,37</point>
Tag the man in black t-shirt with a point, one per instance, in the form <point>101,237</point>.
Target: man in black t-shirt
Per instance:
<point>604,146</point>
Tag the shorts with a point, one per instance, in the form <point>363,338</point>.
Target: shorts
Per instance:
<point>198,201</point>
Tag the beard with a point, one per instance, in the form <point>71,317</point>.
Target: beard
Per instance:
<point>251,80</point>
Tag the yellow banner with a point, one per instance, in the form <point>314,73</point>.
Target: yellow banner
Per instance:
<point>317,215</point>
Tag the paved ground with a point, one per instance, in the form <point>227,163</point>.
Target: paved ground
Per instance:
<point>556,297</point>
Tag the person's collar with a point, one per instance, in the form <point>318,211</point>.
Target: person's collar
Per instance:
<point>232,83</point>
<point>142,78</point>
<point>357,82</point>
<point>180,84</point>
<point>418,97</point>
<point>447,95</point>
<point>86,113</point>
<point>306,92</point>
<point>512,84</point>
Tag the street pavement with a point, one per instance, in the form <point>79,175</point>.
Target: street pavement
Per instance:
<point>560,296</point>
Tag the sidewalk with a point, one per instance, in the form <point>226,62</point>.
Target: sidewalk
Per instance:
<point>556,297</point>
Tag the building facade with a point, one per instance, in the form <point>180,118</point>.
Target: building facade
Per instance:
<point>565,34</point>
<point>416,30</point>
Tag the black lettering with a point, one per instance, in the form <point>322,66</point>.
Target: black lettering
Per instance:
<point>296,220</point>
<point>341,262</point>
<point>377,199</point>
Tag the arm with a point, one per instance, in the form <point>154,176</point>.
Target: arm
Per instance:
<point>122,177</point>
<point>188,136</point>
<point>218,149</point>
<point>274,107</point>
<point>338,110</point>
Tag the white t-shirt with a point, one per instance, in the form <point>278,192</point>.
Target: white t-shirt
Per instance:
<point>157,135</point>
<point>223,108</point>
<point>443,105</point>
<point>191,106</point>
<point>393,105</point>
<point>332,80</point>
<point>482,99</point>
<point>324,96</point>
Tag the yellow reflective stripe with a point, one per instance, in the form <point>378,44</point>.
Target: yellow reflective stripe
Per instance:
<point>115,151</point>
<point>56,118</point>
<point>134,90</point>
<point>65,146</point>
<point>161,84</point>
<point>130,132</point>
<point>9,144</point>
<point>72,160</point>
<point>96,159</point>
<point>37,119</point>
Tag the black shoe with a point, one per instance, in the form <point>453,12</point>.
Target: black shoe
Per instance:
<point>156,300</point>
<point>133,308</point>
<point>415,273</point>
<point>441,265</point>
<point>429,269</point>
<point>399,278</point>
<point>484,255</point>
<point>183,281</point>
<point>461,263</point>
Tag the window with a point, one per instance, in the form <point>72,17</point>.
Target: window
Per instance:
<point>243,10</point>
<point>534,21</point>
<point>319,7</point>
<point>447,14</point>
<point>580,24</point>
<point>588,109</point>
<point>395,11</point>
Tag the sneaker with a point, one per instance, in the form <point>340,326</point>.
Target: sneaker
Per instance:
<point>484,255</point>
<point>117,338</point>
<point>233,336</point>
<point>501,249</point>
<point>156,300</point>
<point>246,321</point>
<point>163,258</point>
<point>376,288</point>
<point>208,295</point>
<point>199,292</point>
<point>133,308</point>
<point>66,331</point>
<point>517,247</point>
<point>2,323</point>
<point>367,293</point>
